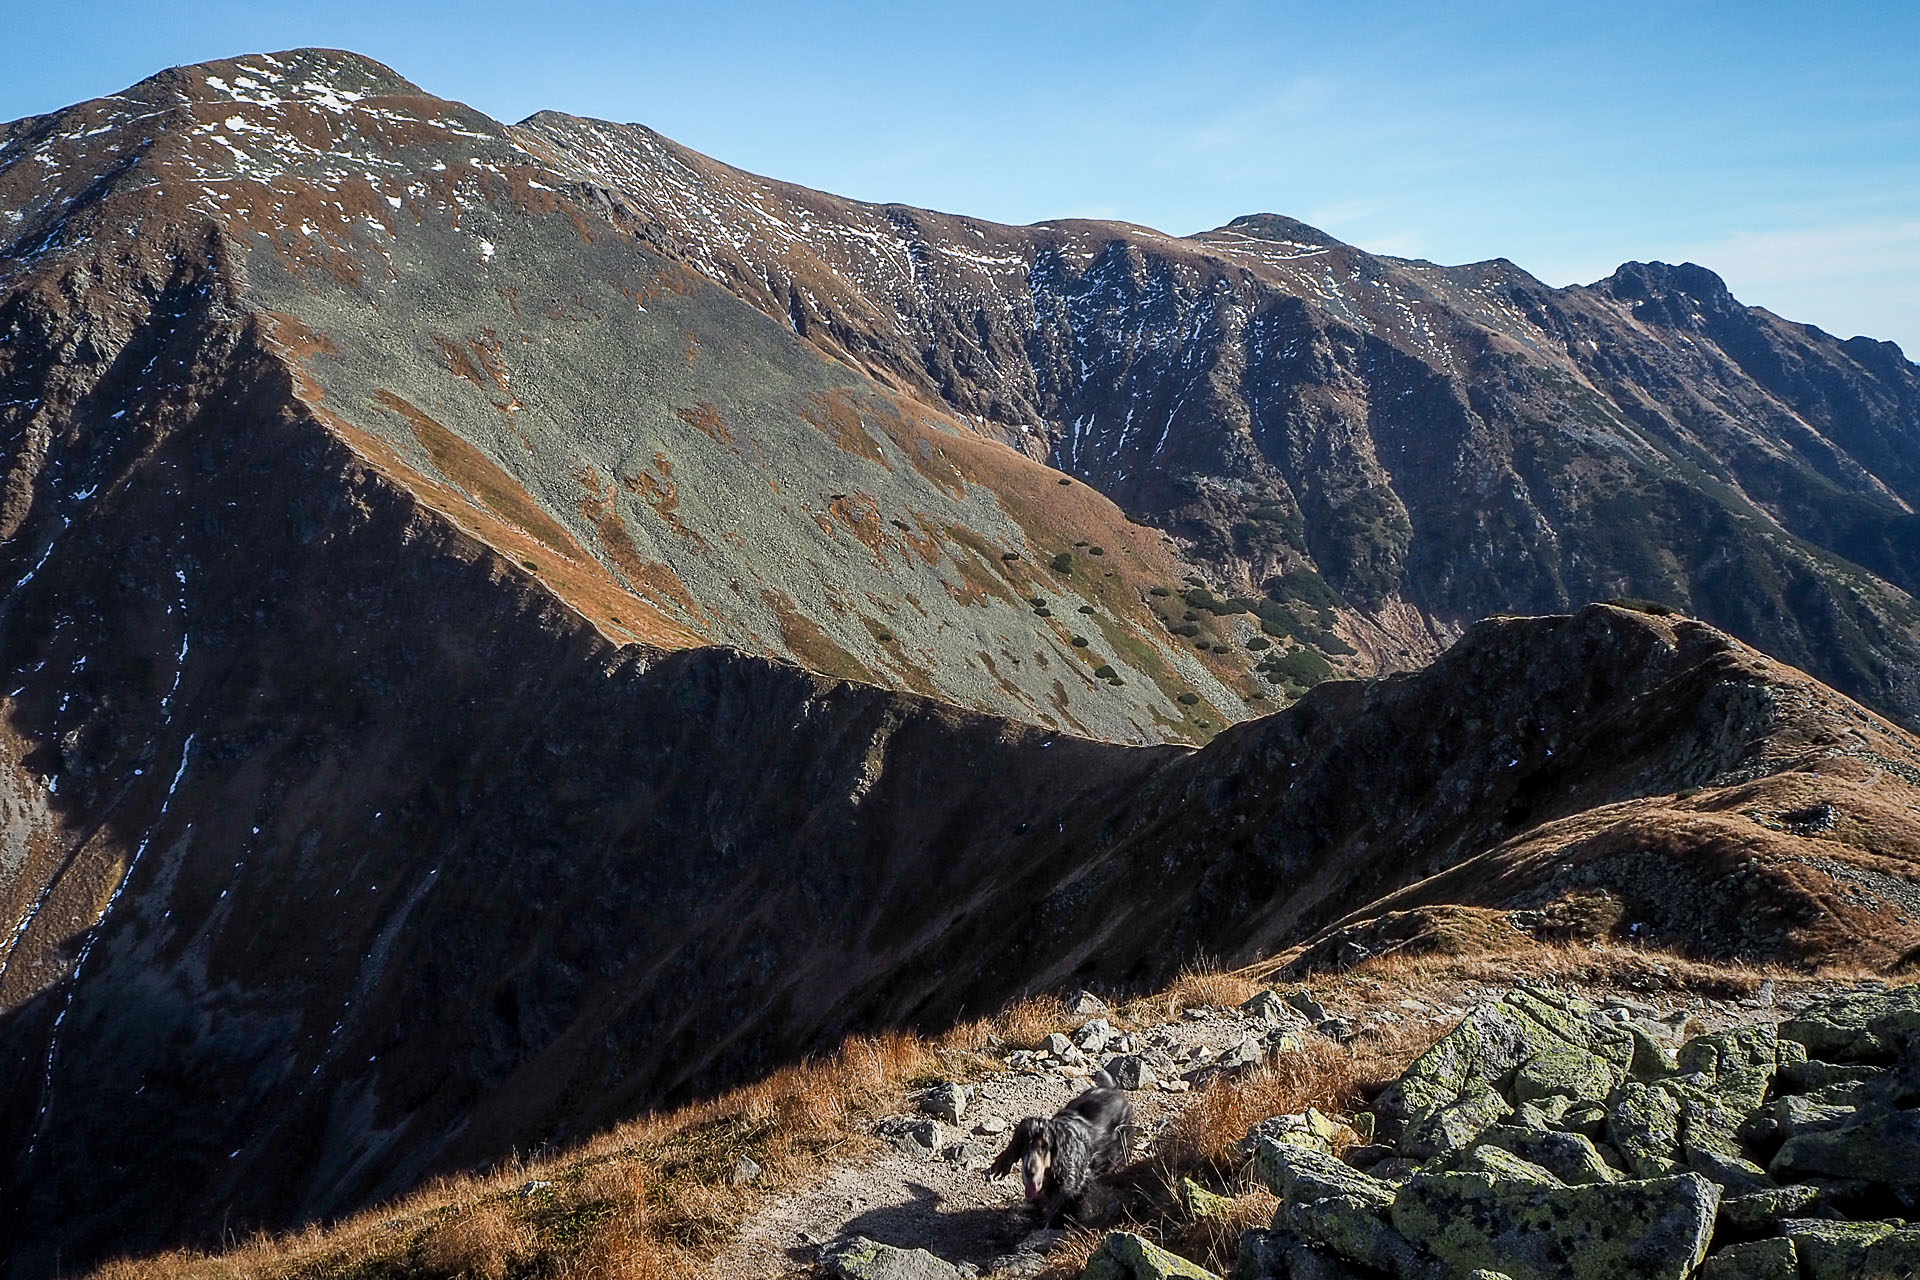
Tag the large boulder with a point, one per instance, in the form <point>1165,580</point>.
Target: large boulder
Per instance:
<point>1570,1157</point>
<point>1657,1229</point>
<point>1861,1027</point>
<point>1456,1125</point>
<point>1458,1087</point>
<point>1565,1073</point>
<point>1853,1250</point>
<point>1881,1147</point>
<point>1281,1255</point>
<point>1336,1207</point>
<point>1643,1123</point>
<point>859,1258</point>
<point>1772,1259</point>
<point>1126,1256</point>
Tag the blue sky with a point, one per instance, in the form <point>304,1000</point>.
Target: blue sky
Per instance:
<point>1778,143</point>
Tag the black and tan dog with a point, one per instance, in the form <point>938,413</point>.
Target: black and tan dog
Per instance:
<point>1059,1158</point>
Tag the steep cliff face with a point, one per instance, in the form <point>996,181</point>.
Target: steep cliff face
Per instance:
<point>404,757</point>
<point>1432,443</point>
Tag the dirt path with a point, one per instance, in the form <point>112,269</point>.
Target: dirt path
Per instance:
<point>940,1199</point>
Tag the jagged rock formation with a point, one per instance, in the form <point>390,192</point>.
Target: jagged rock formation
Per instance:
<point>1415,445</point>
<point>402,760</point>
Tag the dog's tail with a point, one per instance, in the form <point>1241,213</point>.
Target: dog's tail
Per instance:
<point>1102,1080</point>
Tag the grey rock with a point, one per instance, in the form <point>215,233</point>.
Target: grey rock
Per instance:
<point>1244,1056</point>
<point>862,1259</point>
<point>1265,1005</point>
<point>1085,1004</point>
<point>1130,1071</point>
<point>915,1135</point>
<point>1650,1230</point>
<point>1758,1211</point>
<point>947,1102</point>
<point>1853,1250</point>
<point>1774,1259</point>
<point>1879,1147</point>
<point>1858,1027</point>
<point>1122,1255</point>
<point>1303,1003</point>
<point>1093,1035</point>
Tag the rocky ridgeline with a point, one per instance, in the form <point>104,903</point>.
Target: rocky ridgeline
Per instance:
<point>1546,1138</point>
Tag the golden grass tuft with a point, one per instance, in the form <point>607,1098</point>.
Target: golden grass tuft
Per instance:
<point>1206,1135</point>
<point>483,1241</point>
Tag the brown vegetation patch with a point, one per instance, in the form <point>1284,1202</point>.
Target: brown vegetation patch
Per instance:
<point>836,415</point>
<point>479,476</point>
<point>479,361</point>
<point>706,419</point>
<point>809,643</point>
<point>579,580</point>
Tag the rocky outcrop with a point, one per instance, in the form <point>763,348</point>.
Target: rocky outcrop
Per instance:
<point>1649,1152</point>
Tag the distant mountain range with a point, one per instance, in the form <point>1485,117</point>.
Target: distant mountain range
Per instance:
<point>505,625</point>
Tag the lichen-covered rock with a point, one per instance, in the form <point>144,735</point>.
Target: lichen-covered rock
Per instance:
<point>1738,1064</point>
<point>1643,1124</point>
<point>1125,1256</point>
<point>1570,1157</point>
<point>1565,1073</point>
<point>862,1259</point>
<point>1773,1259</point>
<point>1793,1115</point>
<point>1588,1118</point>
<point>1447,1096</point>
<point>1485,1048</point>
<point>1309,1128</point>
<point>1652,1057</point>
<point>1758,1211</point>
<point>1294,1171</point>
<point>1504,1167</point>
<point>1202,1203</point>
<point>1859,1027</point>
<point>1281,1255</point>
<point>1882,1147</point>
<point>1454,1127</point>
<point>1337,1207</point>
<point>1709,1146</point>
<point>1853,1250</point>
<point>1656,1229</point>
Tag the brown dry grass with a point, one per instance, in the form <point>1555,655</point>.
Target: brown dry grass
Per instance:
<point>1205,1136</point>
<point>656,1196</point>
<point>649,1199</point>
<point>1203,985</point>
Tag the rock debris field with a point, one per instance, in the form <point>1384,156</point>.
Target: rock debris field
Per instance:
<point>1545,1136</point>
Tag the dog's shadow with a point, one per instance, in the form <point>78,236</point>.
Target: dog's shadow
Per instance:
<point>976,1235</point>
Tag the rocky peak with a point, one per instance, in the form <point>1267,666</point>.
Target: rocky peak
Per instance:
<point>1280,229</point>
<point>1674,292</point>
